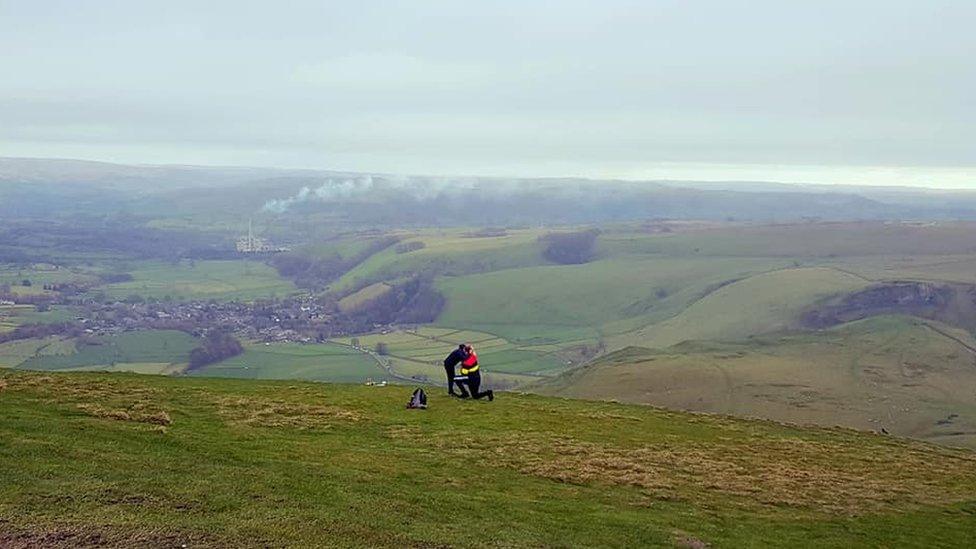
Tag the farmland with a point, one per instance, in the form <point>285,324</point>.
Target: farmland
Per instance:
<point>156,351</point>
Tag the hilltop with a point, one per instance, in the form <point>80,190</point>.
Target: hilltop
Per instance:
<point>128,460</point>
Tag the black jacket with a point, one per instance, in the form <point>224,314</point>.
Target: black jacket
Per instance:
<point>456,356</point>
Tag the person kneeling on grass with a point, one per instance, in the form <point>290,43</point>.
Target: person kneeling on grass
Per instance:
<point>470,369</point>
<point>456,357</point>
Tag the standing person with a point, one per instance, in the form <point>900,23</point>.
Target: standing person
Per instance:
<point>456,357</point>
<point>470,368</point>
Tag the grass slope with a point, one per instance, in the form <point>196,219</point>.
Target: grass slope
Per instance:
<point>759,304</point>
<point>122,460</point>
<point>912,377</point>
<point>451,252</point>
<point>565,302</point>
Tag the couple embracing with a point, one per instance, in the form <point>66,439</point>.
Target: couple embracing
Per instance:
<point>469,380</point>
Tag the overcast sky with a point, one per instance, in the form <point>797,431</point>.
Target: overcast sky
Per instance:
<point>869,92</point>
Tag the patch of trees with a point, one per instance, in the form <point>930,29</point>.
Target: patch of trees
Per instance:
<point>570,248</point>
<point>317,272</point>
<point>412,301</point>
<point>216,346</point>
<point>411,246</point>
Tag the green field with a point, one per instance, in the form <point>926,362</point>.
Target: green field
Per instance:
<point>40,274</point>
<point>12,316</point>
<point>14,353</point>
<point>223,280</point>
<point>168,349</point>
<point>313,362</point>
<point>123,460</point>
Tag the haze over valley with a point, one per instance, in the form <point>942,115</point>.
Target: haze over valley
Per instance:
<point>487,274</point>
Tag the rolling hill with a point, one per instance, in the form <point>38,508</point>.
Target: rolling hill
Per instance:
<point>909,376</point>
<point>123,460</point>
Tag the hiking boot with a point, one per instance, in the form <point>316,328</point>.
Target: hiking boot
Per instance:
<point>491,396</point>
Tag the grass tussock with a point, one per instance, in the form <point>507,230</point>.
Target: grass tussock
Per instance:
<point>684,540</point>
<point>256,412</point>
<point>818,476</point>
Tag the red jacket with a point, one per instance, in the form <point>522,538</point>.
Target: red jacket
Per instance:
<point>470,364</point>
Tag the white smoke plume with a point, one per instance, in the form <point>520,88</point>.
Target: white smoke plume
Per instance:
<point>419,188</point>
<point>331,189</point>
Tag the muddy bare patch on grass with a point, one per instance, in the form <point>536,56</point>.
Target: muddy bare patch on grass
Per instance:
<point>262,412</point>
<point>73,537</point>
<point>819,476</point>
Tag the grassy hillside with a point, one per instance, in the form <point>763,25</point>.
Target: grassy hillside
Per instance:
<point>911,377</point>
<point>121,460</point>
<point>452,252</point>
<point>755,305</point>
<point>568,302</point>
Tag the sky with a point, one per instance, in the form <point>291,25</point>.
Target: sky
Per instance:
<point>871,92</point>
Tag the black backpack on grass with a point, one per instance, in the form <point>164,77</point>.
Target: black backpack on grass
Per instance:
<point>418,401</point>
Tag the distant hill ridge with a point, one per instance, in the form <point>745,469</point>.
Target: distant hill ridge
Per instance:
<point>413,199</point>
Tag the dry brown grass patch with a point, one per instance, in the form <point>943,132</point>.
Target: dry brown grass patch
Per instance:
<point>827,477</point>
<point>66,388</point>
<point>138,414</point>
<point>261,412</point>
